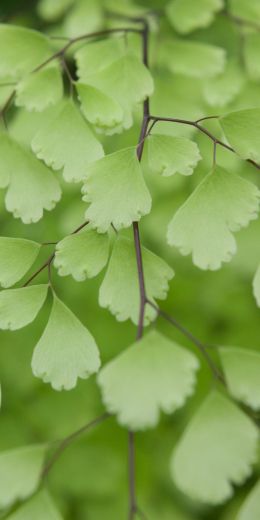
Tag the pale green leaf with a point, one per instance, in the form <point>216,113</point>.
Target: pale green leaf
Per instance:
<point>100,110</point>
<point>191,58</point>
<point>242,373</point>
<point>246,10</point>
<point>222,89</point>
<point>39,507</point>
<point>168,155</point>
<point>116,190</point>
<point>39,90</point>
<point>151,375</point>
<point>203,225</point>
<point>85,17</point>
<point>66,351</point>
<point>16,257</point>
<point>20,472</point>
<point>50,11</point>
<point>66,141</point>
<point>119,291</point>
<point>217,450</point>
<point>96,56</point>
<point>188,15</point>
<point>32,187</point>
<point>82,255</point>
<point>18,307</point>
<point>251,49</point>
<point>242,129</point>
<point>250,509</point>
<point>256,286</point>
<point>21,50</point>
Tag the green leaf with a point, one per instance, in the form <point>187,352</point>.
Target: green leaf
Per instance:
<point>242,373</point>
<point>116,191</point>
<point>99,109</point>
<point>250,509</point>
<point>222,89</point>
<point>242,129</point>
<point>19,307</point>
<point>39,507</point>
<point>127,81</point>
<point>151,375</point>
<point>51,11</point>
<point>96,56</point>
<point>217,450</point>
<point>66,141</point>
<point>21,50</point>
<point>16,257</point>
<point>247,10</point>
<point>20,472</point>
<point>168,155</point>
<point>203,225</point>
<point>40,90</point>
<point>256,286</point>
<point>83,18</point>
<point>32,187</point>
<point>251,49</point>
<point>82,255</point>
<point>188,15</point>
<point>66,351</point>
<point>192,59</point>
<point>119,291</point>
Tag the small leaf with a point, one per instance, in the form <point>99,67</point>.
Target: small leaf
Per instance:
<point>21,50</point>
<point>217,450</point>
<point>19,307</point>
<point>32,187</point>
<point>249,11</point>
<point>151,375</point>
<point>119,291</point>
<point>82,255</point>
<point>116,190</point>
<point>16,257</point>
<point>242,129</point>
<point>66,141</point>
<point>193,59</point>
<point>221,203</point>
<point>66,351</point>
<point>99,109</point>
<point>222,89</point>
<point>39,507</point>
<point>83,18</point>
<point>51,11</point>
<point>20,472</point>
<point>250,509</point>
<point>251,49</point>
<point>39,90</point>
<point>242,373</point>
<point>256,286</point>
<point>168,155</point>
<point>96,56</point>
<point>187,15</point>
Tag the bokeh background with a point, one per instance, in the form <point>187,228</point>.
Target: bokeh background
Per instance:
<point>89,482</point>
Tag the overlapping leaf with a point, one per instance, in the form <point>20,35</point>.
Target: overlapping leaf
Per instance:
<point>83,18</point>
<point>94,57</point>
<point>82,255</point>
<point>66,141</point>
<point>39,90</point>
<point>119,291</point>
<point>217,450</point>
<point>20,472</point>
<point>66,351</point>
<point>203,226</point>
<point>19,307</point>
<point>116,191</point>
<point>39,507</point>
<point>151,375</point>
<point>16,257</point>
<point>100,110</point>
<point>242,129</point>
<point>168,155</point>
<point>187,15</point>
<point>222,89</point>
<point>250,509</point>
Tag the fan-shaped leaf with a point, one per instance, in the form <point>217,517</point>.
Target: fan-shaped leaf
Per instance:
<point>20,471</point>
<point>222,89</point>
<point>39,507</point>
<point>32,187</point>
<point>119,291</point>
<point>83,18</point>
<point>40,89</point>
<point>168,155</point>
<point>96,56</point>
<point>66,351</point>
<point>242,372</point>
<point>16,257</point>
<point>50,11</point>
<point>67,142</point>
<point>151,375</point>
<point>187,15</point>
<point>250,509</point>
<point>19,307</point>
<point>116,191</point>
<point>222,203</point>
<point>217,450</point>
<point>82,255</point>
<point>242,129</point>
<point>99,109</point>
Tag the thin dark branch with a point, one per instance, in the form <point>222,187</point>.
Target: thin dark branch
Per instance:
<point>69,440</point>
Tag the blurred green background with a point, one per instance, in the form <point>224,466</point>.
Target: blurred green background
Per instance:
<point>89,482</point>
